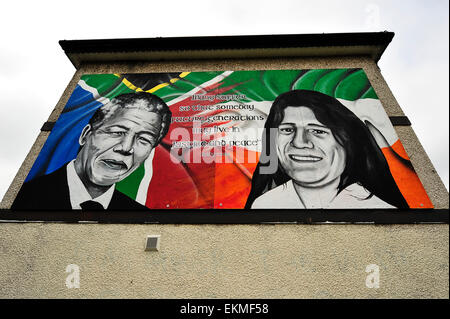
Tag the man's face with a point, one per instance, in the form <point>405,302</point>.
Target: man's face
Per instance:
<point>119,146</point>
<point>307,149</point>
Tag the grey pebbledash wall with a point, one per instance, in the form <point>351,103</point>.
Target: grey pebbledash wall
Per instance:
<point>230,261</point>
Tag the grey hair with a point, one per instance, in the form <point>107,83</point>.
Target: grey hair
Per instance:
<point>152,103</point>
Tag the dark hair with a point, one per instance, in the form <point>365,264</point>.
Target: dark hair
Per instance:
<point>365,162</point>
<point>152,103</point>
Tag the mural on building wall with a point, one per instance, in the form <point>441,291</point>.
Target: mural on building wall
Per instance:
<point>235,139</point>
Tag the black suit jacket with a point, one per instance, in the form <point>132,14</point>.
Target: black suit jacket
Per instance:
<point>51,192</point>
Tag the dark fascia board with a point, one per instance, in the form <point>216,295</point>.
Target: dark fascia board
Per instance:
<point>98,50</point>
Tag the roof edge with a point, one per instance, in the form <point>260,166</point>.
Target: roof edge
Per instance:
<point>378,40</point>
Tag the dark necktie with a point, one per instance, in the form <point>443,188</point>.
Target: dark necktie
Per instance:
<point>91,205</point>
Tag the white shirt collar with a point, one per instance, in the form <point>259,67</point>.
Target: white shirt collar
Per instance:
<point>79,194</point>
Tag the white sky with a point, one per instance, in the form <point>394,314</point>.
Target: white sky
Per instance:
<point>34,70</point>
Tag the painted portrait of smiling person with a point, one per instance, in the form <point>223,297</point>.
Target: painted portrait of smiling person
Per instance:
<point>117,140</point>
<point>325,157</point>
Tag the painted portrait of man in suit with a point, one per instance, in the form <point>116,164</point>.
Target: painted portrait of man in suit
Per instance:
<point>117,140</point>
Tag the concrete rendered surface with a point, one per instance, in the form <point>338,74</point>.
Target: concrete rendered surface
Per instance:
<point>224,261</point>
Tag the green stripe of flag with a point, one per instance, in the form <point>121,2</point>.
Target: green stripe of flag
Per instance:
<point>130,185</point>
<point>107,85</point>
<point>353,86</point>
<point>191,81</point>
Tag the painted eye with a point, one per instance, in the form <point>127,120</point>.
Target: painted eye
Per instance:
<point>317,132</point>
<point>286,130</point>
<point>116,133</point>
<point>144,141</point>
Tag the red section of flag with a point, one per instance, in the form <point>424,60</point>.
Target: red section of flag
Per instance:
<point>173,185</point>
<point>222,182</point>
<point>233,181</point>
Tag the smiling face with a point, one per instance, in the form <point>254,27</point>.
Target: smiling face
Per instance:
<point>116,148</point>
<point>307,149</point>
